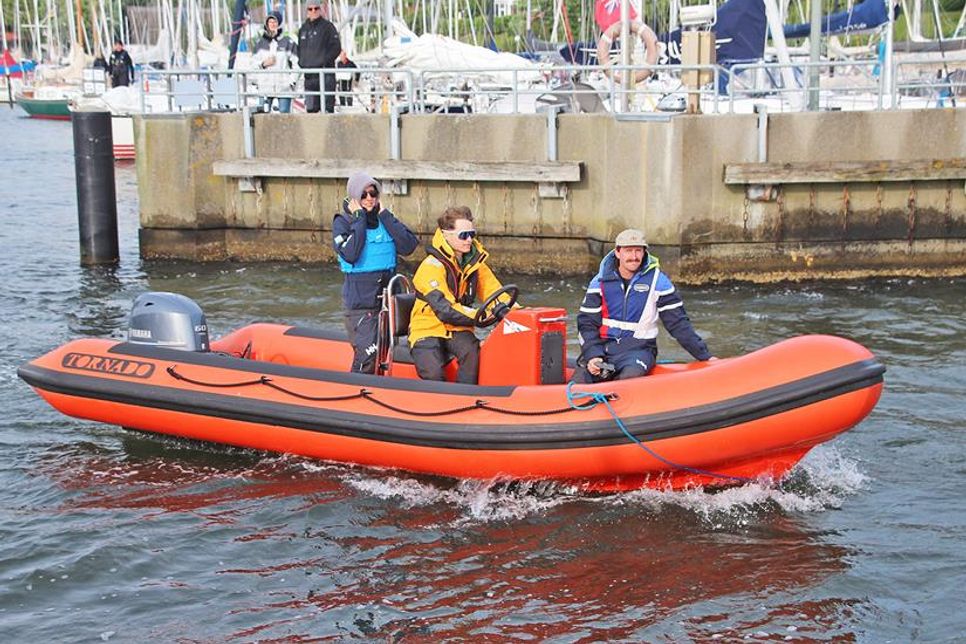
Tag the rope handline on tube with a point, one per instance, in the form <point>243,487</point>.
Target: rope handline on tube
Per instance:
<point>368,395</point>
<point>603,398</point>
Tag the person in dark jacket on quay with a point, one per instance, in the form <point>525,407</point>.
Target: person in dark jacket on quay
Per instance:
<point>318,47</point>
<point>617,322</point>
<point>120,66</point>
<point>367,239</point>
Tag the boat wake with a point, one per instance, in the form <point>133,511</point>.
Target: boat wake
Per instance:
<point>824,480</point>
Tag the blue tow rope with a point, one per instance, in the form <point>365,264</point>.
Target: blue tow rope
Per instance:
<point>602,398</point>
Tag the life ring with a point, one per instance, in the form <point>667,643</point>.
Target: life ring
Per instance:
<point>648,39</point>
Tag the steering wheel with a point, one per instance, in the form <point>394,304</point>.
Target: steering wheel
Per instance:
<point>484,319</point>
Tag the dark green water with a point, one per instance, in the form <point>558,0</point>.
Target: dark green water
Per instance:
<point>112,535</point>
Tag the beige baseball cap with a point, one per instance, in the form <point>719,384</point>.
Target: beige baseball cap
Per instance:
<point>630,237</point>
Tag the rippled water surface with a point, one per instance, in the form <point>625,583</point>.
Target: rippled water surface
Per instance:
<point>107,534</point>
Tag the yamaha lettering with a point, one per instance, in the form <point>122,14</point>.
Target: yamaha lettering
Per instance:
<point>103,364</point>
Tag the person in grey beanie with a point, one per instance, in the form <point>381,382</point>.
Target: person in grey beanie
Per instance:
<point>367,239</point>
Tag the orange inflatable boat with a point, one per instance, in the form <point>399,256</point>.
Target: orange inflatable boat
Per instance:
<point>286,389</point>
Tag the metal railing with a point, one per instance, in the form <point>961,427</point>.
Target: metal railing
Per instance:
<point>855,84</point>
<point>789,83</point>
<point>572,88</point>
<point>375,90</point>
<point>939,83</point>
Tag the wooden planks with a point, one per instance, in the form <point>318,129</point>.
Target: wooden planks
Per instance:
<point>536,171</point>
<point>845,171</point>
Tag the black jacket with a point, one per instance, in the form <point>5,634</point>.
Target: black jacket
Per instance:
<point>362,290</point>
<point>318,44</point>
<point>121,68</point>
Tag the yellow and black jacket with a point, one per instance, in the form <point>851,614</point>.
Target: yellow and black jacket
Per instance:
<point>448,289</point>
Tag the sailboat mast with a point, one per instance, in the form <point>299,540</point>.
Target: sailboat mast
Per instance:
<point>469,15</point>
<point>625,52</point>
<point>71,32</point>
<point>386,20</point>
<point>3,52</point>
<point>193,34</point>
<point>49,28</point>
<point>888,78</point>
<point>35,23</point>
<point>17,30</point>
<point>3,40</point>
<point>79,25</point>
<point>105,28</point>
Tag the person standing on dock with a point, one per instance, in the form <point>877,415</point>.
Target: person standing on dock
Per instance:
<point>318,47</point>
<point>120,66</point>
<point>276,51</point>
<point>617,323</point>
<point>367,239</point>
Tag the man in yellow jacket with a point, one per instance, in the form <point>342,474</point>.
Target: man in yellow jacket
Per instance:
<point>448,283</point>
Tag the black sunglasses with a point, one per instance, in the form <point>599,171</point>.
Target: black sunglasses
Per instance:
<point>466,234</point>
<point>371,192</point>
<point>314,9</point>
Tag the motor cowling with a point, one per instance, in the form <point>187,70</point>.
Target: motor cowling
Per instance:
<point>168,320</point>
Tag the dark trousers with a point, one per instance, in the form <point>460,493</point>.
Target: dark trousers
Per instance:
<point>632,364</point>
<point>362,325</point>
<point>312,102</point>
<point>431,355</point>
<point>345,92</point>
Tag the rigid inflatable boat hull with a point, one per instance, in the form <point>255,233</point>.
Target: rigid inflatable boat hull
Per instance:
<point>753,416</point>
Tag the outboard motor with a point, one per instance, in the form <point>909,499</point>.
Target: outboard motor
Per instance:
<point>168,320</point>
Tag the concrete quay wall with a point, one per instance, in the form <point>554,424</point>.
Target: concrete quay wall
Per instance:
<point>665,177</point>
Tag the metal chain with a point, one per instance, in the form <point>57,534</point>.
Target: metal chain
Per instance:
<point>745,214</point>
<point>948,208</point>
<point>811,203</point>
<point>878,204</point>
<point>780,228</point>
<point>912,212</point>
<point>846,200</point>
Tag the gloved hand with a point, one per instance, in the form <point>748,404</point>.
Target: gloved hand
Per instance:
<point>500,310</point>
<point>356,208</point>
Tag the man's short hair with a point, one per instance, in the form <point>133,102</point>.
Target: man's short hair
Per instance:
<point>447,221</point>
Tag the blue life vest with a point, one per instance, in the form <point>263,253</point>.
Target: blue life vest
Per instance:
<point>379,253</point>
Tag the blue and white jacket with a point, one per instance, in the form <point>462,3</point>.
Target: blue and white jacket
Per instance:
<point>613,321</point>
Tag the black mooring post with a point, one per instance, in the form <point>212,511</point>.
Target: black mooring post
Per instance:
<point>96,196</point>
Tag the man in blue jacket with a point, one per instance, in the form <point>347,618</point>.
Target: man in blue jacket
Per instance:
<point>367,239</point>
<point>618,318</point>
